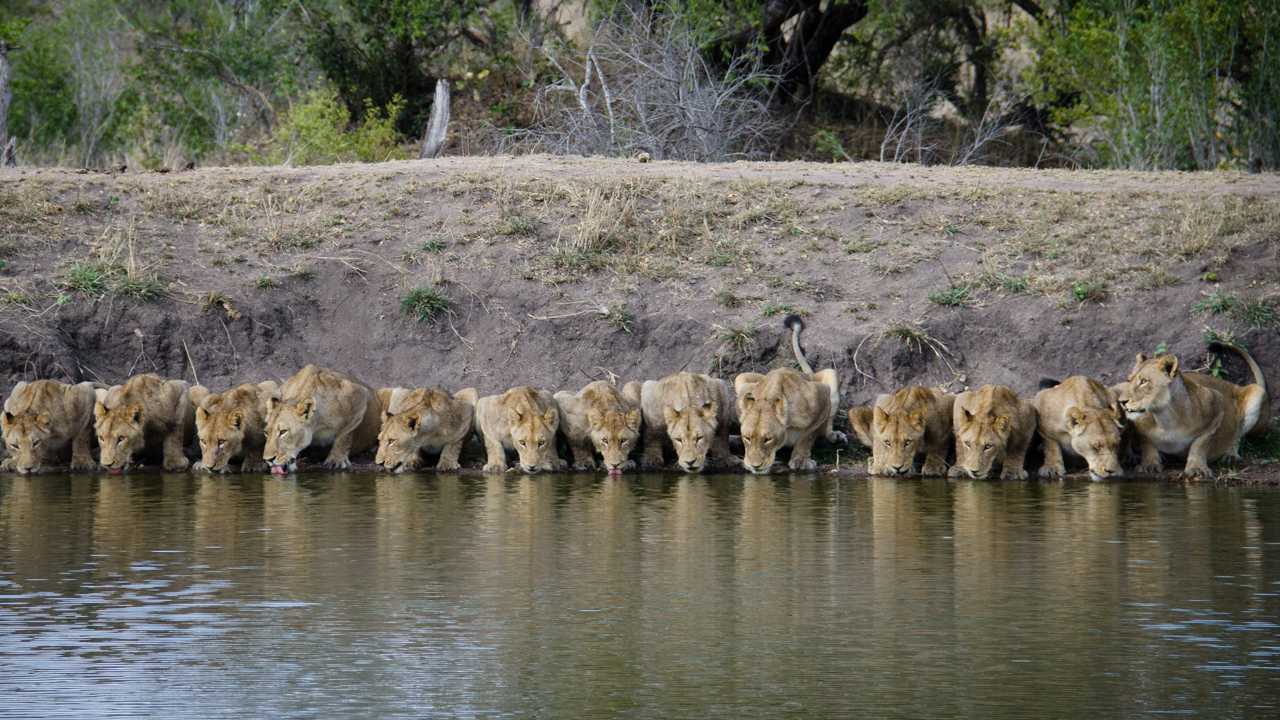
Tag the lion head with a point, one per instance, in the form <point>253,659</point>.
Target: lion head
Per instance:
<point>221,433</point>
<point>27,436</point>
<point>1095,436</point>
<point>400,440</point>
<point>121,433</point>
<point>981,436</point>
<point>614,434</point>
<point>1150,385</point>
<point>533,432</point>
<point>691,431</point>
<point>764,429</point>
<point>289,431</point>
<point>897,437</point>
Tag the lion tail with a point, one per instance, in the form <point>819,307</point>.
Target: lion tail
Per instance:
<point>796,326</point>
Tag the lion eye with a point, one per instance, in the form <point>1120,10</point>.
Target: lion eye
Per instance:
<point>1143,381</point>
<point>282,433</point>
<point>906,442</point>
<point>524,444</point>
<point>542,443</point>
<point>604,443</point>
<point>35,443</point>
<point>887,443</point>
<point>119,439</point>
<point>678,441</point>
<point>698,439</point>
<point>968,443</point>
<point>222,443</point>
<point>987,446</point>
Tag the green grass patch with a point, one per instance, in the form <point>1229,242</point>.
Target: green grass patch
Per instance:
<point>773,309</point>
<point>424,303</point>
<point>87,278</point>
<point>954,296</point>
<point>1256,314</point>
<point>620,318</point>
<point>1215,303</point>
<point>1085,291</point>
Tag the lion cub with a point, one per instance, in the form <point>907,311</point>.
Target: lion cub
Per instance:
<point>424,419</point>
<point>1191,414</point>
<point>600,418</point>
<point>521,419</point>
<point>901,426</point>
<point>144,412</point>
<point>691,411</point>
<point>992,425</point>
<point>786,408</point>
<point>1081,416</point>
<point>46,422</point>
<point>232,424</point>
<point>318,406</point>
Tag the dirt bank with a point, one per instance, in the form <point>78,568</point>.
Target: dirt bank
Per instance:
<point>555,271</point>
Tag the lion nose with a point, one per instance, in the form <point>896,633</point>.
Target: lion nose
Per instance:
<point>900,469</point>
<point>687,465</point>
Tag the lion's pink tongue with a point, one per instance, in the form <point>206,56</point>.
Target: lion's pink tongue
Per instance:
<point>115,471</point>
<point>279,470</point>
<point>615,471</point>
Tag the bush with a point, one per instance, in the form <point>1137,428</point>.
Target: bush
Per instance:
<point>317,131</point>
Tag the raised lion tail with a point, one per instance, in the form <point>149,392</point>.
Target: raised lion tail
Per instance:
<point>796,326</point>
<point>1248,359</point>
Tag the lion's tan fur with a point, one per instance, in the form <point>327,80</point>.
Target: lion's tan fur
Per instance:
<point>145,412</point>
<point>232,424</point>
<point>691,412</point>
<point>1080,417</point>
<point>601,418</point>
<point>784,408</point>
<point>47,423</point>
<point>424,419</point>
<point>903,425</point>
<point>992,425</point>
<point>1188,413</point>
<point>319,406</point>
<point>523,419</point>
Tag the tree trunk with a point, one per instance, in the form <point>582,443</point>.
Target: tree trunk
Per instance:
<point>433,138</point>
<point>815,35</point>
<point>5,97</point>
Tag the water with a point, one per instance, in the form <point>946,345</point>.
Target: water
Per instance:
<point>648,597</point>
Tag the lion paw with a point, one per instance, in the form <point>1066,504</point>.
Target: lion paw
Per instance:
<point>1051,471</point>
<point>1149,469</point>
<point>82,464</point>
<point>1013,474</point>
<point>343,464</point>
<point>802,465</point>
<point>176,464</point>
<point>1197,472</point>
<point>837,438</point>
<point>448,466</point>
<point>934,469</point>
<point>585,465</point>
<point>495,467</point>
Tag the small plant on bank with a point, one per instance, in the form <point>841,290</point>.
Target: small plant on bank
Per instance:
<point>1094,291</point>
<point>424,303</point>
<point>740,339</point>
<point>620,318</point>
<point>726,298</point>
<point>149,287</point>
<point>954,296</point>
<point>87,278</point>
<point>1257,314</point>
<point>772,309</point>
<point>265,282</point>
<point>1215,303</point>
<point>432,246</point>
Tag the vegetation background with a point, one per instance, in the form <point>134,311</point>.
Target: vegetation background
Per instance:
<point>1135,84</point>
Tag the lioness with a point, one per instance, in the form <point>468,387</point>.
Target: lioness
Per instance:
<point>901,426</point>
<point>1190,413</point>
<point>144,412</point>
<point>992,425</point>
<point>600,418</point>
<point>521,419</point>
<point>318,406</point>
<point>424,419</point>
<point>232,424</point>
<point>46,422</point>
<point>786,408</point>
<point>1081,416</point>
<point>693,412</point>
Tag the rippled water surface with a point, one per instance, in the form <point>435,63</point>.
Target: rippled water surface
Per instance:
<point>650,597</point>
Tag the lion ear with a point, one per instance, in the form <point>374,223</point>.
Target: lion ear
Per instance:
<point>595,418</point>
<point>412,422</point>
<point>1169,364</point>
<point>42,420</point>
<point>307,408</point>
<point>135,414</point>
<point>916,419</point>
<point>780,406</point>
<point>966,414</point>
<point>1001,423</point>
<point>708,410</point>
<point>633,420</point>
<point>748,399</point>
<point>237,421</point>
<point>8,416</point>
<point>1075,417</point>
<point>551,417</point>
<point>202,415</point>
<point>880,415</point>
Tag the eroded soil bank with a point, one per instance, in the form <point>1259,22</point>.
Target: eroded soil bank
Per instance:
<point>555,271</point>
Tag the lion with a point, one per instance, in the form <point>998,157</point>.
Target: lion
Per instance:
<point>901,426</point>
<point>521,419</point>
<point>992,425</point>
<point>319,406</point>
<point>694,413</point>
<point>600,418</point>
<point>1082,417</point>
<point>48,423</point>
<point>414,420</point>
<point>135,417</point>
<point>786,408</point>
<point>1189,413</point>
<point>232,424</point>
